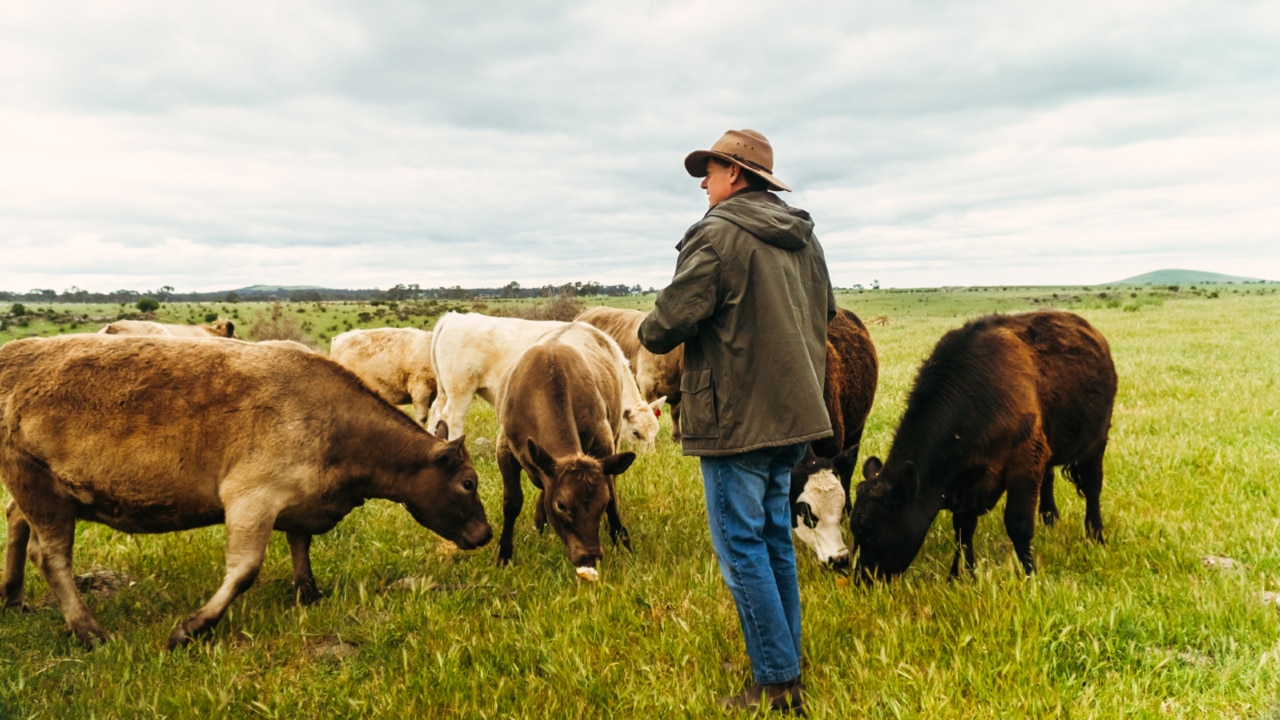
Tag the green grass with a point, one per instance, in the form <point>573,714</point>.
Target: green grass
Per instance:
<point>411,626</point>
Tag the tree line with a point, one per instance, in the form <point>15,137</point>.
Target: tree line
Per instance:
<point>400,292</point>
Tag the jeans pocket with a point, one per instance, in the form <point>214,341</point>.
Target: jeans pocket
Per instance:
<point>698,405</point>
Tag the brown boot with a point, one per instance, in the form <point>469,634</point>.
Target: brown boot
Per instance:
<point>786,698</point>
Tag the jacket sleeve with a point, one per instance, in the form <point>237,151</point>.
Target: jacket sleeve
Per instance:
<point>692,296</point>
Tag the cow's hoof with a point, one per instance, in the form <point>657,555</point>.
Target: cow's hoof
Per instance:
<point>308,594</point>
<point>90,637</point>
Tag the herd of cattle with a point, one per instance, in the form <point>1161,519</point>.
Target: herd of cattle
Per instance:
<point>153,428</point>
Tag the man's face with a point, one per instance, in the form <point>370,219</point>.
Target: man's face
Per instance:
<point>719,182</point>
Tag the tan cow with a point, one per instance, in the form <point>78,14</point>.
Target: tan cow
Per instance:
<point>394,362</point>
<point>219,328</point>
<point>557,412</point>
<point>471,354</point>
<point>657,375</point>
<point>157,434</point>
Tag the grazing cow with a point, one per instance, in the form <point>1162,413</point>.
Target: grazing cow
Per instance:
<point>820,483</point>
<point>395,362</point>
<point>472,352</point>
<point>158,434</point>
<point>1000,403</point>
<point>557,412</point>
<point>657,375</point>
<point>219,328</point>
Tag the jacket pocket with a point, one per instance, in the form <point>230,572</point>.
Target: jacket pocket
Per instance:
<point>698,405</point>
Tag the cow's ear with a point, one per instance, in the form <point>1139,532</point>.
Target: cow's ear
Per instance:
<point>845,462</point>
<point>231,329</point>
<point>656,405</point>
<point>908,485</point>
<point>627,414</point>
<point>617,464</point>
<point>871,468</point>
<point>809,457</point>
<point>442,430</point>
<point>545,462</point>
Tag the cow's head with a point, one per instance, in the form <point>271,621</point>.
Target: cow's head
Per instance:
<point>640,423</point>
<point>442,495</point>
<point>575,492</point>
<point>889,521</point>
<point>819,498</point>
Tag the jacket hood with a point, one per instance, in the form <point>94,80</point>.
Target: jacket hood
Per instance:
<point>768,218</point>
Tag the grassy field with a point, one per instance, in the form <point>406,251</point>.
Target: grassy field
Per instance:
<point>1140,627</point>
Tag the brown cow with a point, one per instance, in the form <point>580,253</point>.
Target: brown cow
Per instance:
<point>657,375</point>
<point>557,412</point>
<point>157,434</point>
<point>219,328</point>
<point>820,483</point>
<point>999,403</point>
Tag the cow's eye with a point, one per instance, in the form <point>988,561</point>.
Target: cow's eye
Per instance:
<point>469,485</point>
<point>561,508</point>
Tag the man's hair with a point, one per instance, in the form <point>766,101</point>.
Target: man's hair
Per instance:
<point>754,181</point>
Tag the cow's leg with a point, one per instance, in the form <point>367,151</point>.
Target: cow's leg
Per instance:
<point>15,559</point>
<point>512,498</point>
<point>55,528</point>
<point>248,533</point>
<point>1020,515</point>
<point>616,529</point>
<point>1087,475</point>
<point>964,524</point>
<point>1048,505</point>
<point>304,582</point>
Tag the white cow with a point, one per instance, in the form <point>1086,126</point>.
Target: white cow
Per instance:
<point>472,353</point>
<point>657,375</point>
<point>219,328</point>
<point>393,362</point>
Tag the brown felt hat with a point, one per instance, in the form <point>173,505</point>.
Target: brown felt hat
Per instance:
<point>747,149</point>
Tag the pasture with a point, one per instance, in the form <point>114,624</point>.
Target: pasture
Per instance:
<point>1156,623</point>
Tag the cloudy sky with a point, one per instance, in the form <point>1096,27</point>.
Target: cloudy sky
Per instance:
<point>359,144</point>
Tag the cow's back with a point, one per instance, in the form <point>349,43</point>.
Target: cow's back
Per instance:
<point>621,324</point>
<point>386,359</point>
<point>1076,383</point>
<point>148,417</point>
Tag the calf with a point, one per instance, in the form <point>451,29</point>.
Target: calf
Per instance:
<point>999,403</point>
<point>820,483</point>
<point>394,362</point>
<point>557,413</point>
<point>157,434</point>
<point>658,376</point>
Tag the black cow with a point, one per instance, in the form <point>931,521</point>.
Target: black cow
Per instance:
<point>1000,403</point>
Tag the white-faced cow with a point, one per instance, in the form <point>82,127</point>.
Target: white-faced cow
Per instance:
<point>157,434</point>
<point>999,403</point>
<point>471,354</point>
<point>820,483</point>
<point>394,362</point>
<point>657,375</point>
<point>557,414</point>
<point>219,328</point>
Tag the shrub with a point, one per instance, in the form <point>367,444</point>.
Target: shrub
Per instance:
<point>18,310</point>
<point>276,326</point>
<point>147,304</point>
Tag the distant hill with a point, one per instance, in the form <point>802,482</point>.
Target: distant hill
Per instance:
<point>1184,277</point>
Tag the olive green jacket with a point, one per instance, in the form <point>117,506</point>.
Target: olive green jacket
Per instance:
<point>750,300</point>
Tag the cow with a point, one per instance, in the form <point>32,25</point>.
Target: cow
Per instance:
<point>394,362</point>
<point>159,434</point>
<point>556,414</point>
<point>472,352</point>
<point>219,328</point>
<point>820,484</point>
<point>999,403</point>
<point>657,375</point>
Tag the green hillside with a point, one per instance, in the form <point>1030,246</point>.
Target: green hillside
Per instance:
<point>1184,277</point>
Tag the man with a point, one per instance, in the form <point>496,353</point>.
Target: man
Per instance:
<point>750,300</point>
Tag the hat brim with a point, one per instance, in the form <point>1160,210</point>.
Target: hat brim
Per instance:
<point>696,164</point>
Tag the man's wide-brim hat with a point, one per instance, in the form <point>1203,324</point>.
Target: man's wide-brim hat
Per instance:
<point>747,149</point>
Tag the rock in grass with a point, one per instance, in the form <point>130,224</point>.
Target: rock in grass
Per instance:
<point>1222,563</point>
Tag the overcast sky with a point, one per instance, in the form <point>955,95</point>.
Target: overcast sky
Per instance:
<point>215,145</point>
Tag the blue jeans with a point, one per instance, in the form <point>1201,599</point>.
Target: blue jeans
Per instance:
<point>748,512</point>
